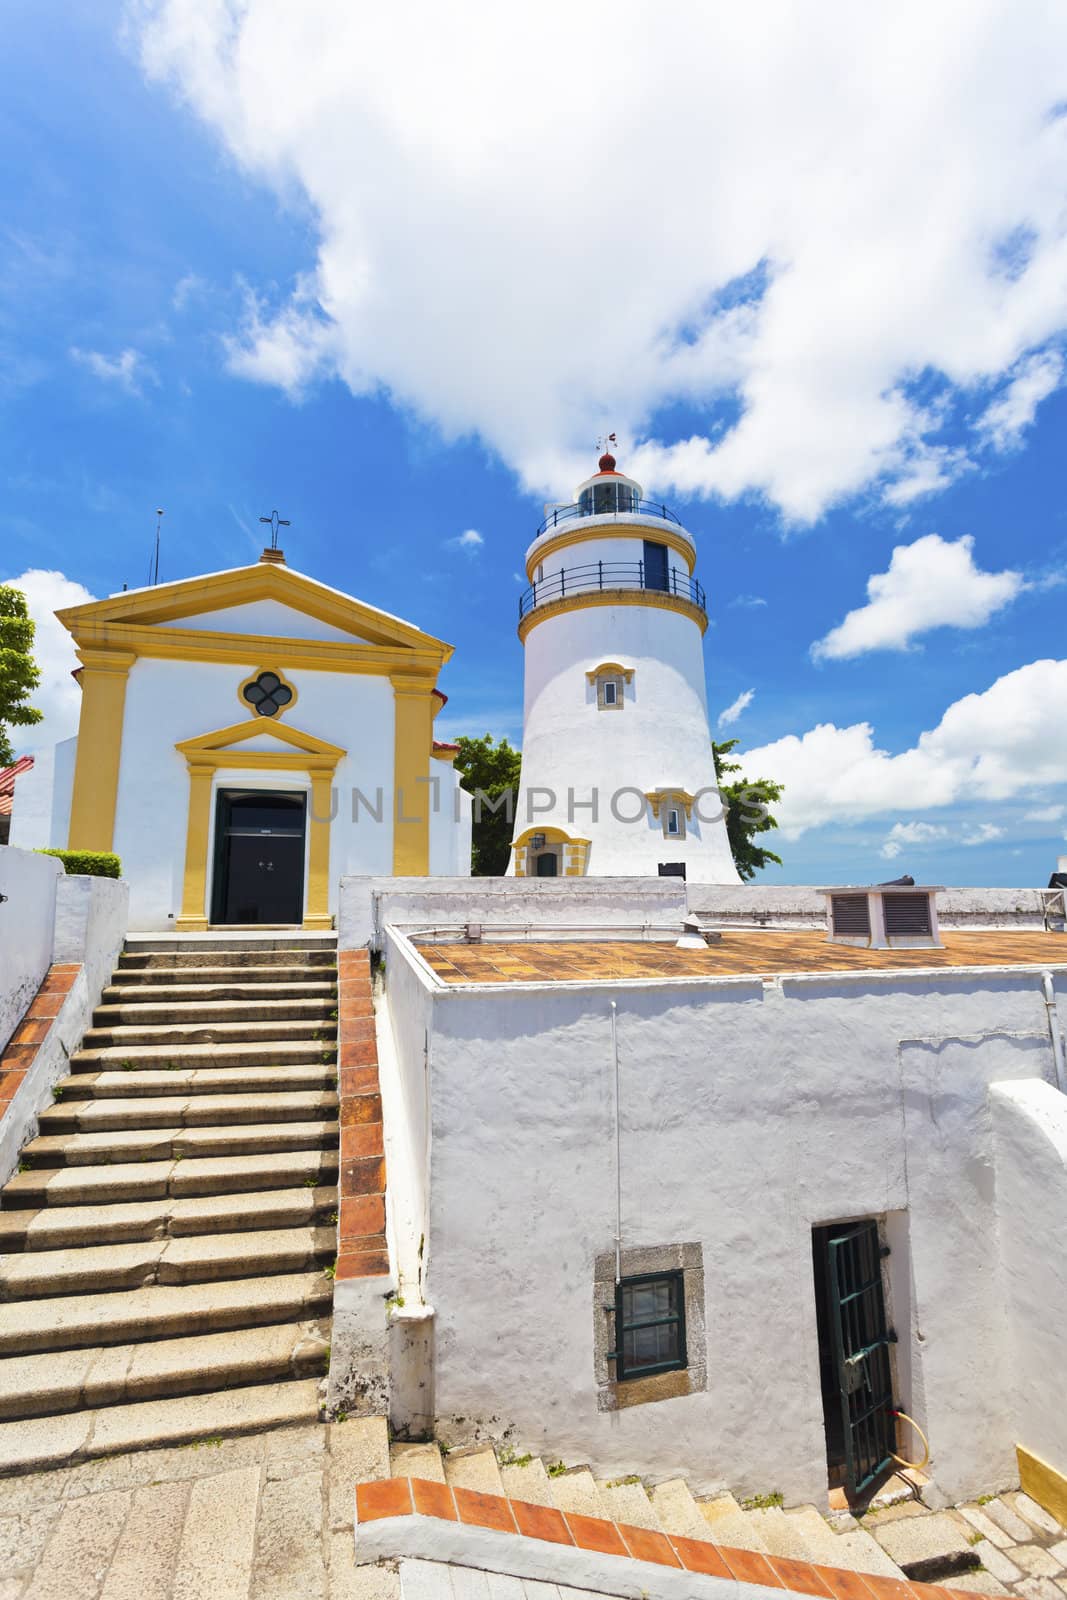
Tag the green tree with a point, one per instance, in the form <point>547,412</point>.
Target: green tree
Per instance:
<point>19,673</point>
<point>748,800</point>
<point>490,770</point>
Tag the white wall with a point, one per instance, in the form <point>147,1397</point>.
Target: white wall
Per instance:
<point>268,617</point>
<point>368,904</point>
<point>1030,1138</point>
<point>27,921</point>
<point>793,905</point>
<point>40,817</point>
<point>659,738</point>
<point>450,823</point>
<point>752,1111</point>
<point>90,926</point>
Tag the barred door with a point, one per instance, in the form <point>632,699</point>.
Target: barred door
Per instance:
<point>861,1340</point>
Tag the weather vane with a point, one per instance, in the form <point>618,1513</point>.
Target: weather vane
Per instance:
<point>274,522</point>
<point>602,443</point>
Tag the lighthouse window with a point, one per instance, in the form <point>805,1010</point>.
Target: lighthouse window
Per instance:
<point>673,822</point>
<point>609,692</point>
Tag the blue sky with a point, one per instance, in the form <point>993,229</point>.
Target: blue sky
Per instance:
<point>279,276</point>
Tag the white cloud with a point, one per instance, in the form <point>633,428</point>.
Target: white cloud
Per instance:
<point>902,834</point>
<point>1045,814</point>
<point>1009,740</point>
<point>801,221</point>
<point>1005,421</point>
<point>734,710</point>
<point>470,540</point>
<point>187,288</point>
<point>57,695</point>
<point>984,833</point>
<point>932,583</point>
<point>129,370</point>
<point>748,601</point>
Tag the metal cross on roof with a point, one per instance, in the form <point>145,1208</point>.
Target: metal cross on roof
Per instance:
<point>274,522</point>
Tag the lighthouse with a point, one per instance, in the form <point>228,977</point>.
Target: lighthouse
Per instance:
<point>618,774</point>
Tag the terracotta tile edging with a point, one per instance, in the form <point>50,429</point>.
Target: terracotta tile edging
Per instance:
<point>32,1032</point>
<point>362,1251</point>
<point>406,1497</point>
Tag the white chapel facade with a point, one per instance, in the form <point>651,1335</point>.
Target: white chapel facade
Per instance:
<point>246,739</point>
<point>618,773</point>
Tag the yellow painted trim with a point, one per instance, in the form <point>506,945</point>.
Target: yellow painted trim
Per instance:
<point>657,598</point>
<point>576,534</point>
<point>99,752</point>
<point>218,745</point>
<point>317,903</point>
<point>280,675</point>
<point>198,828</point>
<point>552,836</point>
<point>615,668</point>
<point>238,649</point>
<point>657,798</point>
<point>1044,1483</point>
<point>412,738</point>
<point>242,585</point>
<point>209,752</point>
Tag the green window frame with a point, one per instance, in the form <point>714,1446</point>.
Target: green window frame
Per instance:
<point>649,1325</point>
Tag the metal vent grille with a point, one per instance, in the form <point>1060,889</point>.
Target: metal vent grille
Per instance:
<point>907,915</point>
<point>851,914</point>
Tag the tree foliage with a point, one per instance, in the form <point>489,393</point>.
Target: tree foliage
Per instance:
<point>748,801</point>
<point>19,673</point>
<point>490,769</point>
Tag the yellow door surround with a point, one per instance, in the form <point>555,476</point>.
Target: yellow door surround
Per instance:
<point>204,756</point>
<point>574,851</point>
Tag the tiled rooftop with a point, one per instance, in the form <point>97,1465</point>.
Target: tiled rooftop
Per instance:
<point>736,954</point>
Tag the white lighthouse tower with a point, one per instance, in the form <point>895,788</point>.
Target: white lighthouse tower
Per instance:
<point>618,776</point>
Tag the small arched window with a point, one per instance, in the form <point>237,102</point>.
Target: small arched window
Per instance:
<point>612,682</point>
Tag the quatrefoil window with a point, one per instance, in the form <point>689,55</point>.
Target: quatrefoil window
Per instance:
<point>267,694</point>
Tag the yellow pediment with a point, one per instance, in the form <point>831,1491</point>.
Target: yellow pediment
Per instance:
<point>227,747</point>
<point>138,619</point>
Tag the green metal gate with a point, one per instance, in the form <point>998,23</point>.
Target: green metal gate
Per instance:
<point>861,1341</point>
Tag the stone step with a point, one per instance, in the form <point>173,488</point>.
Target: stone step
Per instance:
<point>926,1548</point>
<point>197,1258</point>
<point>146,1057</point>
<point>626,1500</point>
<point>815,1535</point>
<point>726,1523</point>
<point>306,1076</point>
<point>186,1111</point>
<point>152,1180</point>
<point>147,980</point>
<point>576,1490</point>
<point>525,1478</point>
<point>416,1461</point>
<point>225,956</point>
<point>166,992</point>
<point>127,1145</point>
<point>474,1469</point>
<point>779,1535</point>
<point>265,1034</point>
<point>184,1014</point>
<point>74,1227</point>
<point>33,1444</point>
<point>279,937</point>
<point>163,1311</point>
<point>110,1375</point>
<point>677,1511</point>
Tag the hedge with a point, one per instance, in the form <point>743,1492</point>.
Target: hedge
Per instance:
<point>88,863</point>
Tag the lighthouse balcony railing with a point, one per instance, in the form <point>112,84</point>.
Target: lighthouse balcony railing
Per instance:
<point>611,575</point>
<point>621,503</point>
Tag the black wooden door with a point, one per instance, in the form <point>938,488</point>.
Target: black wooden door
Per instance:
<point>657,575</point>
<point>259,858</point>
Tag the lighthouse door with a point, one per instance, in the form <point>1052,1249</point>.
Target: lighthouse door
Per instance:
<point>547,866</point>
<point>655,565</point>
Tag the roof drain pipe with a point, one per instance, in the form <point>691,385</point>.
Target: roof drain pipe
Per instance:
<point>618,1145</point>
<point>1049,989</point>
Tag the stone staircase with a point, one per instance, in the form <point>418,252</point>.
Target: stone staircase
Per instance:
<point>162,1246</point>
<point>799,1534</point>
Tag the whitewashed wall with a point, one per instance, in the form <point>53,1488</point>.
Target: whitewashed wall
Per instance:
<point>90,927</point>
<point>793,905</point>
<point>40,817</point>
<point>752,1112</point>
<point>27,924</point>
<point>1030,1136</point>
